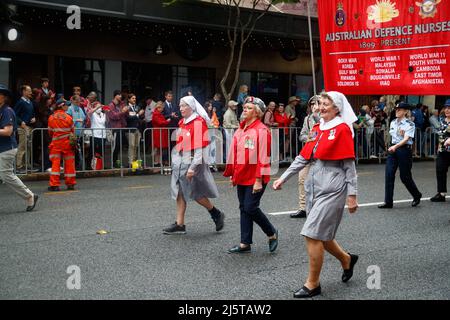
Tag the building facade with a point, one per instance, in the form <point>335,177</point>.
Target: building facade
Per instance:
<point>146,48</point>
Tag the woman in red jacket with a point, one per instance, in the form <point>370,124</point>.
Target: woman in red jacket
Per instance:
<point>160,137</point>
<point>248,167</point>
<point>284,121</point>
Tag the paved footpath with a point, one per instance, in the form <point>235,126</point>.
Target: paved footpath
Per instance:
<point>408,246</point>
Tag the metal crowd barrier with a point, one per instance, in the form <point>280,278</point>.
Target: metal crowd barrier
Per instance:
<point>114,144</point>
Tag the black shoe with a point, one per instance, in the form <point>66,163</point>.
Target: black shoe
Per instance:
<point>239,249</point>
<point>54,189</point>
<point>385,206</point>
<point>220,221</point>
<point>438,198</point>
<point>299,214</point>
<point>175,229</point>
<point>71,187</point>
<point>304,292</point>
<point>273,243</point>
<point>416,201</point>
<point>35,200</point>
<point>347,275</point>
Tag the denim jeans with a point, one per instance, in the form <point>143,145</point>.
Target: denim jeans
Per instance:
<point>250,212</point>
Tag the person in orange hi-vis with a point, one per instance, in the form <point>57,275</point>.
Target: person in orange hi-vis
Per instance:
<point>60,129</point>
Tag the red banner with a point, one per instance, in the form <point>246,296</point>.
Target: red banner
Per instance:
<point>386,46</point>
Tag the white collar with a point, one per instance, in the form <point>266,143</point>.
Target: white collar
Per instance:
<point>25,99</point>
<point>191,118</point>
<point>330,124</point>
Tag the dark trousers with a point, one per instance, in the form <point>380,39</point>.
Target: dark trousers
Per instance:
<point>401,158</point>
<point>120,140</point>
<point>442,164</point>
<point>379,141</point>
<point>250,212</point>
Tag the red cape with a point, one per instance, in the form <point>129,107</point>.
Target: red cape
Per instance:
<point>332,144</point>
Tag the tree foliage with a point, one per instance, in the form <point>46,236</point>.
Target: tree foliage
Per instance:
<point>241,24</point>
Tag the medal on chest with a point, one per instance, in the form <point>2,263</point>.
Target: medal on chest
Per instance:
<point>312,135</point>
<point>249,143</point>
<point>332,134</point>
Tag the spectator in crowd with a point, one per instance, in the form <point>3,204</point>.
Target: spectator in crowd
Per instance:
<point>191,177</point>
<point>360,126</point>
<point>331,184</point>
<point>8,151</point>
<point>382,103</point>
<point>298,111</point>
<point>213,127</point>
<point>44,90</point>
<point>290,109</point>
<point>248,167</point>
<point>443,158</point>
<point>418,119</point>
<point>230,124</point>
<point>92,102</point>
<point>400,156</point>
<point>160,136</point>
<point>61,131</point>
<point>134,135</point>
<point>307,135</point>
<point>435,125</point>
<point>98,121</point>
<point>42,113</point>
<point>116,120</point>
<point>242,95</point>
<point>369,125</point>
<point>24,110</point>
<point>171,110</point>
<point>218,105</point>
<point>79,119</point>
<point>425,136</point>
<point>230,119</point>
<point>92,105</point>
<point>269,115</point>
<point>379,118</point>
<point>284,121</point>
<point>76,91</point>
<point>149,107</point>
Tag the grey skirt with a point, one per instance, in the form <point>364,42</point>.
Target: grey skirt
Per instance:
<point>202,184</point>
<point>326,191</point>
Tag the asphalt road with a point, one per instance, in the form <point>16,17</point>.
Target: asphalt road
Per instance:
<point>134,260</point>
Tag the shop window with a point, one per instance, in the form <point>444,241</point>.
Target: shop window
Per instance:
<point>86,73</point>
<point>153,80</point>
<point>302,87</point>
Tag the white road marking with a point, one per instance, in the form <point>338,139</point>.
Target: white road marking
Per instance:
<point>370,204</point>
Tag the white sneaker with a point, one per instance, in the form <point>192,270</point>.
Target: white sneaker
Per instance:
<point>373,157</point>
<point>49,170</point>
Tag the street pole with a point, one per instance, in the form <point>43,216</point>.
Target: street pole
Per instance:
<point>311,47</point>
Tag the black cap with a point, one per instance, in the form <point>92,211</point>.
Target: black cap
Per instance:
<point>4,90</point>
<point>403,105</point>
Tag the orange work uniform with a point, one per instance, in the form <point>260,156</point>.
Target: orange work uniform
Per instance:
<point>60,126</point>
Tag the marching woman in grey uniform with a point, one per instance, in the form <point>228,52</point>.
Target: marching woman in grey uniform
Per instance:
<point>191,177</point>
<point>330,184</point>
